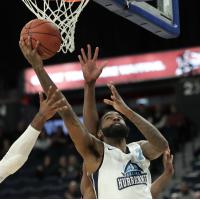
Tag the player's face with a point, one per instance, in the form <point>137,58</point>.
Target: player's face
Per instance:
<point>113,125</point>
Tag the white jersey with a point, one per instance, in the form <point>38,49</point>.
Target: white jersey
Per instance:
<point>123,175</point>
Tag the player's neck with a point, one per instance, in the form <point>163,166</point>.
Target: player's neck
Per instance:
<point>116,142</point>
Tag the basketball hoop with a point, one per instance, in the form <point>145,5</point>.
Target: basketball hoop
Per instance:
<point>64,13</point>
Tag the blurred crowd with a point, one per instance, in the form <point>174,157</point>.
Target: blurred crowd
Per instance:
<point>189,185</point>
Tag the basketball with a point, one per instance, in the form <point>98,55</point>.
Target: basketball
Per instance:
<point>46,33</point>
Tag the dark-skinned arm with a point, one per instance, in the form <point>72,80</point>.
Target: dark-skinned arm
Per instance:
<point>91,72</point>
<point>90,115</point>
<point>90,148</point>
<point>163,180</point>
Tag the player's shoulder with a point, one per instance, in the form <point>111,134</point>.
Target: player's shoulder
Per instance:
<point>140,143</point>
<point>138,148</point>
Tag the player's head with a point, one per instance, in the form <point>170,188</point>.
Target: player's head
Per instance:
<point>112,125</point>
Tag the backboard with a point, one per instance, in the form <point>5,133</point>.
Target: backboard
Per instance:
<point>160,17</point>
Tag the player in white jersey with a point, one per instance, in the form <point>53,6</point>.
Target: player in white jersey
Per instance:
<point>135,166</point>
<point>114,131</point>
<point>18,153</point>
<point>158,186</point>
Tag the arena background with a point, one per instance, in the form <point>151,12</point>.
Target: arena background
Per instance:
<point>54,167</point>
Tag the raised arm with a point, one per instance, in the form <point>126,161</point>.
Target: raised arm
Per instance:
<point>35,60</point>
<point>91,72</point>
<point>88,146</point>
<point>156,144</point>
<point>162,181</point>
<point>21,148</point>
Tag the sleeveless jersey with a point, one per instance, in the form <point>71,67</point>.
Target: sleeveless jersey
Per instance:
<point>123,175</point>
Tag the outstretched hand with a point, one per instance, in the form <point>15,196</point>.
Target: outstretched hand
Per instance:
<point>116,101</point>
<point>91,71</point>
<point>52,104</point>
<point>31,54</point>
<point>168,163</point>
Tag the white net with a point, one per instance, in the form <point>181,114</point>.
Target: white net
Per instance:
<point>64,14</point>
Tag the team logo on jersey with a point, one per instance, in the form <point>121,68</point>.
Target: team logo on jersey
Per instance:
<point>132,175</point>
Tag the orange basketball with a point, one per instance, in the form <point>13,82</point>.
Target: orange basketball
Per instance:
<point>46,33</point>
